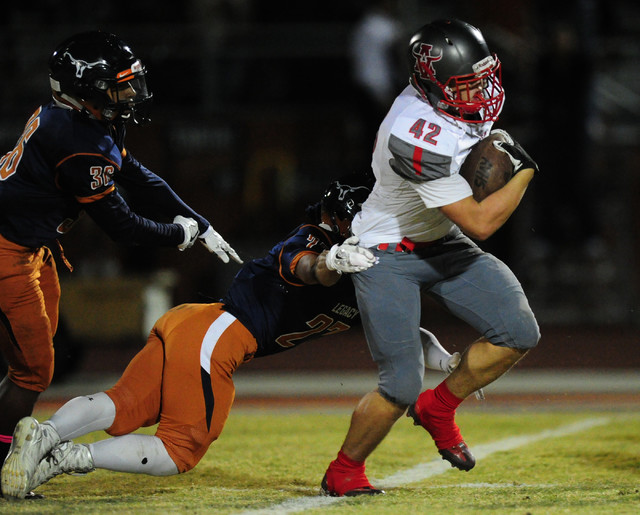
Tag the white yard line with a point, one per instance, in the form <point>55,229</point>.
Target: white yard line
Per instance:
<point>493,485</point>
<point>432,468</point>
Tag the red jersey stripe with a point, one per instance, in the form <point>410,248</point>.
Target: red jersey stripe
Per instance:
<point>417,160</point>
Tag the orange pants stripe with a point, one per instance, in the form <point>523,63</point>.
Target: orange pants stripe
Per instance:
<point>29,299</point>
<point>168,383</point>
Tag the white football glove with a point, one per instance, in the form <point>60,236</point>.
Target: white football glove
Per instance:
<point>215,243</point>
<point>350,258</point>
<point>190,227</point>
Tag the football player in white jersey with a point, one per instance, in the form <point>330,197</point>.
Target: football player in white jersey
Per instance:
<point>419,221</point>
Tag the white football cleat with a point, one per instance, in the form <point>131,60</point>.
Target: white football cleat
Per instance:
<point>65,458</point>
<point>31,441</point>
<point>435,355</point>
<point>452,362</point>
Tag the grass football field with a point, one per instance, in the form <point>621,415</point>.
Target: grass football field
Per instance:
<point>270,460</point>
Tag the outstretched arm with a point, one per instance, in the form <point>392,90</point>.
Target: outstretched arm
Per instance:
<point>154,193</point>
<point>327,267</point>
<point>312,269</point>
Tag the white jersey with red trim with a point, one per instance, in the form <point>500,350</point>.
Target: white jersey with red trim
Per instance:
<point>416,163</point>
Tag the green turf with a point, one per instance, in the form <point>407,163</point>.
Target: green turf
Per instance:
<point>264,459</point>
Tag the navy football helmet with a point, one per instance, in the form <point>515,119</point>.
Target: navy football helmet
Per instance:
<point>99,68</point>
<point>451,67</point>
<point>343,201</point>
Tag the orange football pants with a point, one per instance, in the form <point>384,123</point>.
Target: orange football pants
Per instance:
<point>182,380</point>
<point>29,298</point>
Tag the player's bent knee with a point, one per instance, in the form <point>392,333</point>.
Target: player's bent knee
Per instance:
<point>392,400</point>
<point>525,333</point>
<point>184,458</point>
<point>402,392</point>
<point>37,379</point>
<point>164,464</point>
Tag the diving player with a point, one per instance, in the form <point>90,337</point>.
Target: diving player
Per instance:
<point>182,378</point>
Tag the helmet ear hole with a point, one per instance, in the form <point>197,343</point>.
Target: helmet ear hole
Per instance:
<point>101,85</point>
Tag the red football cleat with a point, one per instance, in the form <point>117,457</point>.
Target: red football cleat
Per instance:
<point>362,490</point>
<point>459,456</point>
<point>444,431</point>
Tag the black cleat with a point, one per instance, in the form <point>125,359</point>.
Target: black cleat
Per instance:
<point>30,496</point>
<point>364,490</point>
<point>411,413</point>
<point>459,456</point>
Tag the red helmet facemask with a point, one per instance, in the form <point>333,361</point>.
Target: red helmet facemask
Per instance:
<point>474,98</point>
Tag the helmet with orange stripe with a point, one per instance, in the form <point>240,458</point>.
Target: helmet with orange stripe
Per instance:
<point>97,73</point>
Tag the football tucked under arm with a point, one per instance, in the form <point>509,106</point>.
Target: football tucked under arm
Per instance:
<point>518,156</point>
<point>487,168</point>
<point>492,162</point>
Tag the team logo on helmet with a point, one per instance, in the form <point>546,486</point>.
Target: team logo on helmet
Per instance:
<point>424,60</point>
<point>81,65</point>
<point>343,191</point>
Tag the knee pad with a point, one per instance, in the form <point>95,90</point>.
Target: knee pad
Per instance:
<point>400,393</point>
<point>401,383</point>
<point>523,332</point>
<point>532,336</point>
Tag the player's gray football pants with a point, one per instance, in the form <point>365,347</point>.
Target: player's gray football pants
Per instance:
<point>471,284</point>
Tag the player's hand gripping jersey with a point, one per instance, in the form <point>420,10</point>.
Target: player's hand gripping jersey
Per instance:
<point>278,308</point>
<point>416,162</point>
<point>65,163</point>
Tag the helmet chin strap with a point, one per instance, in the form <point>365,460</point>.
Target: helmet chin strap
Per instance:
<point>427,95</point>
<point>68,102</point>
<point>64,100</point>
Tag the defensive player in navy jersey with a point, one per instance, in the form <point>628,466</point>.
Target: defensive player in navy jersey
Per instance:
<point>419,221</point>
<point>71,159</point>
<point>183,377</point>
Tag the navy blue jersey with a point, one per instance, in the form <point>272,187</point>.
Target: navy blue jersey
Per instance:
<point>278,308</point>
<point>65,163</point>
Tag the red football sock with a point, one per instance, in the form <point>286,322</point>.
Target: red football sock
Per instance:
<point>436,409</point>
<point>345,474</point>
<point>446,397</point>
<point>345,461</point>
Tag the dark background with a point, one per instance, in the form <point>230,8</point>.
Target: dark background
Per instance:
<point>257,108</point>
